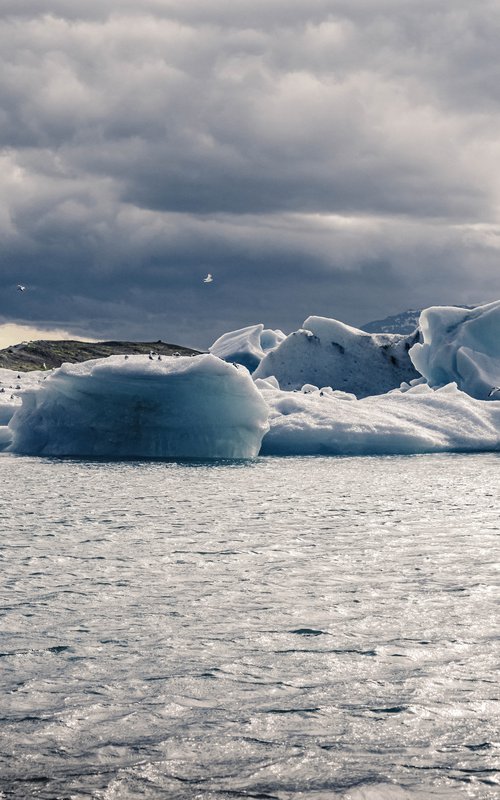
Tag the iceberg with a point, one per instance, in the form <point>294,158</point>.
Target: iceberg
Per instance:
<point>8,408</point>
<point>326,352</point>
<point>184,407</point>
<point>418,419</point>
<point>328,388</point>
<point>13,384</point>
<point>461,345</point>
<point>247,346</point>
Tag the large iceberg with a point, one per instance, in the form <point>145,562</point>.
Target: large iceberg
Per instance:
<point>326,352</point>
<point>185,407</point>
<point>417,419</point>
<point>461,345</point>
<point>247,346</point>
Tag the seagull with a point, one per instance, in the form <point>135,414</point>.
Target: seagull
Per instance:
<point>159,357</point>
<point>208,279</point>
<point>21,288</point>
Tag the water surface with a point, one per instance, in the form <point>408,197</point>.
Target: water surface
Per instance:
<point>283,628</point>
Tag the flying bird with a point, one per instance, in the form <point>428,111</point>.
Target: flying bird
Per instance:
<point>208,279</point>
<point>21,288</point>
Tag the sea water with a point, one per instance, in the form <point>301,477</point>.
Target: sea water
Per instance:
<point>279,628</point>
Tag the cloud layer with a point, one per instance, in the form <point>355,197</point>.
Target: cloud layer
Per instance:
<point>337,158</point>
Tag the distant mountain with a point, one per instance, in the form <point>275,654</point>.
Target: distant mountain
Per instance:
<point>405,322</point>
<point>48,354</point>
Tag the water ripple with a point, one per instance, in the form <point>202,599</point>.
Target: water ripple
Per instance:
<point>284,628</point>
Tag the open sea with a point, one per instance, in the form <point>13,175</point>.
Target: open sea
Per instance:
<point>282,628</point>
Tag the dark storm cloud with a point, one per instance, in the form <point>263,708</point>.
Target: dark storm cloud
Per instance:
<point>318,157</point>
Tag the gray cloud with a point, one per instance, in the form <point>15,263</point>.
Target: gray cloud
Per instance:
<point>318,157</point>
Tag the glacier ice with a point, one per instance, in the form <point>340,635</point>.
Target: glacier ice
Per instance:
<point>247,346</point>
<point>326,352</point>
<point>13,384</point>
<point>461,345</point>
<point>184,407</point>
<point>319,421</point>
<point>326,389</point>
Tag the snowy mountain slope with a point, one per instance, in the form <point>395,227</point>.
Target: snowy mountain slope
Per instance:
<point>405,322</point>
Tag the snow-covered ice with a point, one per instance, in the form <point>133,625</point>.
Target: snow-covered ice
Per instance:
<point>326,352</point>
<point>247,346</point>
<point>419,420</point>
<point>327,388</point>
<point>198,407</point>
<point>13,384</point>
<point>461,345</point>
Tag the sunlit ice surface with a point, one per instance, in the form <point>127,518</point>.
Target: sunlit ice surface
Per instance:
<point>279,628</point>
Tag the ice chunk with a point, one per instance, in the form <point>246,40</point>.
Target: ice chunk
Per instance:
<point>418,420</point>
<point>461,345</point>
<point>197,407</point>
<point>247,346</point>
<point>7,408</point>
<point>5,437</point>
<point>326,352</point>
<point>12,386</point>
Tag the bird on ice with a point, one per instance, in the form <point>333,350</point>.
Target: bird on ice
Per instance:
<point>208,279</point>
<point>21,288</point>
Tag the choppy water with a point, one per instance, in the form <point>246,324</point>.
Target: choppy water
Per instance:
<point>286,628</point>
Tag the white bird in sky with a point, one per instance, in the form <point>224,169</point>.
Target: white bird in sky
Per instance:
<point>208,279</point>
<point>21,288</point>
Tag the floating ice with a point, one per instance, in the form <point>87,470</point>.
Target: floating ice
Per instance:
<point>197,407</point>
<point>461,345</point>
<point>205,407</point>
<point>329,353</point>
<point>247,346</point>
<point>12,386</point>
<point>419,420</point>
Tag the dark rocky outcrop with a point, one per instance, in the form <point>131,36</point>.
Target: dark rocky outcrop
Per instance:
<point>48,354</point>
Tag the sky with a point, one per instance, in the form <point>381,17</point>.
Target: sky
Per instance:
<point>330,157</point>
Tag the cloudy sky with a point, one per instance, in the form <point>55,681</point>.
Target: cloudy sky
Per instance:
<point>332,157</point>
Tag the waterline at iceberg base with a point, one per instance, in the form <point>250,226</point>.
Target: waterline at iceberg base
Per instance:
<point>371,398</point>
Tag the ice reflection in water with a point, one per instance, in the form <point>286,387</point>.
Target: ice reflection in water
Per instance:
<point>285,628</point>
